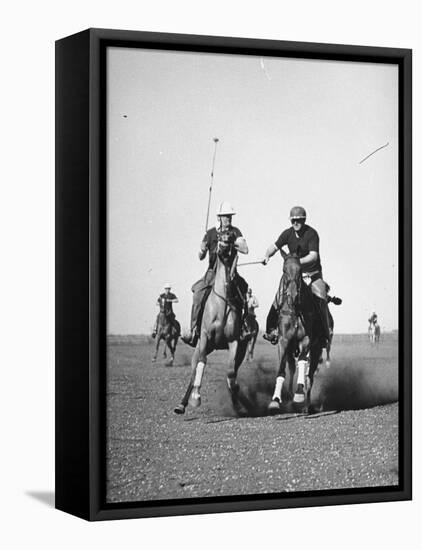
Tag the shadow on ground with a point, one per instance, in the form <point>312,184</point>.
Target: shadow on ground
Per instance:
<point>45,497</point>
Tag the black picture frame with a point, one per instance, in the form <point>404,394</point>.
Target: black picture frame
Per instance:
<point>81,272</point>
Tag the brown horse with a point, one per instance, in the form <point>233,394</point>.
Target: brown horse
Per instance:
<point>220,328</point>
<point>300,335</point>
<point>169,331</point>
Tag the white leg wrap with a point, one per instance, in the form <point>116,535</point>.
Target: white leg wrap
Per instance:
<point>301,370</point>
<point>199,372</point>
<point>278,386</point>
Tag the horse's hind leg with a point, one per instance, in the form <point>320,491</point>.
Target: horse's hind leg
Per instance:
<point>313,365</point>
<point>234,364</point>
<point>237,352</point>
<point>252,346</point>
<point>157,345</point>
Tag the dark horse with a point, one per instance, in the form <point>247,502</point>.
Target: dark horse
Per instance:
<point>220,327</point>
<point>252,328</point>
<point>169,331</point>
<point>300,335</point>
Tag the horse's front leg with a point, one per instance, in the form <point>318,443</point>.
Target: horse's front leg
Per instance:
<point>169,344</point>
<point>302,370</point>
<point>157,345</point>
<point>198,367</point>
<point>180,409</point>
<point>276,400</point>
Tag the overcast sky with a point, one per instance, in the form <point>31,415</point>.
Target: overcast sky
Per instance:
<point>292,132</point>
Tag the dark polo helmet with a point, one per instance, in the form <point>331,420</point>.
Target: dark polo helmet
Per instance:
<point>297,212</point>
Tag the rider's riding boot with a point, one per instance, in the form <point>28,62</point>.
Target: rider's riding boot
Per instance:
<point>271,333</point>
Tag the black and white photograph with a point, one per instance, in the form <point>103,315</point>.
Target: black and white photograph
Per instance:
<point>210,279</point>
<point>252,275</point>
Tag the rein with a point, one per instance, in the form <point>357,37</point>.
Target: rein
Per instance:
<point>289,306</point>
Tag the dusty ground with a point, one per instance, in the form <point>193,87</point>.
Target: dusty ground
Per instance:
<point>155,454</point>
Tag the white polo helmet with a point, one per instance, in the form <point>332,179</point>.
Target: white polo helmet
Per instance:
<point>225,209</point>
<point>167,285</point>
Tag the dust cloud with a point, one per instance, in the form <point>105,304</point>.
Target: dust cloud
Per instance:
<point>346,385</point>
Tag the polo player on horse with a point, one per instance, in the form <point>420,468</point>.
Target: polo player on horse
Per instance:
<point>373,319</point>
<point>374,330</point>
<point>165,302</point>
<point>303,240</point>
<point>202,288</point>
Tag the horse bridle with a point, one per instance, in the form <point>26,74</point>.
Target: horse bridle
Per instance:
<point>230,270</point>
<point>285,292</point>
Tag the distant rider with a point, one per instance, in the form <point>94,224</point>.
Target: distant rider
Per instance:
<point>252,303</point>
<point>165,302</point>
<point>373,319</point>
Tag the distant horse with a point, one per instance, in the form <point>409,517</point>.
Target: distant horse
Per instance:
<point>169,331</point>
<point>374,332</point>
<point>220,327</point>
<point>300,333</point>
<point>252,329</point>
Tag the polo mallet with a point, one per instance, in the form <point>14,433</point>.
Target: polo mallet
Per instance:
<point>251,263</point>
<point>212,181</point>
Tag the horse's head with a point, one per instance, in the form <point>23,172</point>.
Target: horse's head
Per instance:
<point>225,247</point>
<point>292,278</point>
<point>291,267</point>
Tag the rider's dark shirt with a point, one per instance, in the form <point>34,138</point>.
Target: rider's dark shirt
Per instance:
<point>165,305</point>
<point>211,240</point>
<point>307,242</point>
